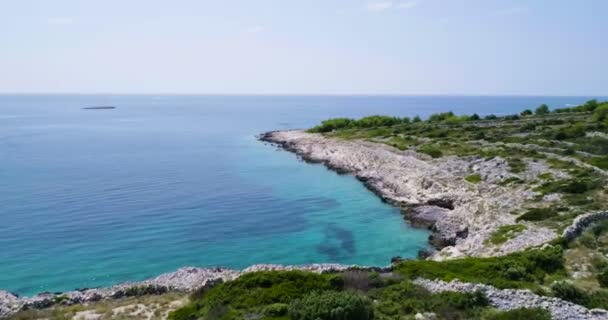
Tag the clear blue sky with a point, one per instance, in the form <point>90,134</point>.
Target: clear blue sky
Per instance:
<point>554,47</point>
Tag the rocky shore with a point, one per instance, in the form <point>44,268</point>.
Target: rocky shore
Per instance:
<point>185,279</point>
<point>433,192</point>
<point>509,299</point>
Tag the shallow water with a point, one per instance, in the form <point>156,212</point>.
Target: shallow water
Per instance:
<point>95,197</point>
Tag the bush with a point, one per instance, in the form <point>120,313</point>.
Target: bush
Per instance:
<point>438,117</point>
<point>537,214</point>
<point>521,314</point>
<point>542,110</point>
<point>255,292</point>
<point>497,271</point>
<point>375,121</point>
<point>331,306</point>
<point>332,124</point>
<point>526,112</point>
<point>276,310</point>
<point>430,150</point>
<point>601,113</point>
<point>569,292</point>
<point>602,278</point>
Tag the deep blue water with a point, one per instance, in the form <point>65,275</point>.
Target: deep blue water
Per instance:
<point>96,197</point>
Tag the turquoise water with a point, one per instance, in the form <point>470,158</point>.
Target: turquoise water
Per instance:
<point>96,197</point>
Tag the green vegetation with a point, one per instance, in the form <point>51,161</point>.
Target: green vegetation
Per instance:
<point>528,269</point>
<point>473,178</point>
<point>505,233</point>
<point>542,109</point>
<point>349,295</point>
<point>522,314</point>
<point>537,214</point>
<point>367,122</point>
<point>331,306</point>
<point>430,150</point>
<point>573,141</point>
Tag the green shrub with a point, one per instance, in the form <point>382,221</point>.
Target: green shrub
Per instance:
<point>473,178</point>
<point>332,124</point>
<point>602,278</point>
<point>526,112</point>
<point>502,272</point>
<point>431,150</point>
<point>256,291</point>
<point>375,121</point>
<point>438,117</point>
<point>276,310</point>
<point>516,165</point>
<point>537,214</point>
<point>331,306</point>
<point>402,300</point>
<point>569,292</point>
<point>542,109</point>
<point>521,314</point>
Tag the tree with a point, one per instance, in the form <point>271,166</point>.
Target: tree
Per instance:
<point>526,112</point>
<point>406,120</point>
<point>474,117</point>
<point>417,119</point>
<point>542,109</point>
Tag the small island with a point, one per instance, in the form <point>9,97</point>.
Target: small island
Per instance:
<point>99,108</point>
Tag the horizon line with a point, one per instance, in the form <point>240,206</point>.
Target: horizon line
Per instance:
<point>300,94</point>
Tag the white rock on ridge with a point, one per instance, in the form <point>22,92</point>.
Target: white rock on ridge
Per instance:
<point>470,212</point>
<point>509,299</point>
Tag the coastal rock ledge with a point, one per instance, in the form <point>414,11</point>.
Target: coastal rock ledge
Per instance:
<point>185,279</point>
<point>433,193</point>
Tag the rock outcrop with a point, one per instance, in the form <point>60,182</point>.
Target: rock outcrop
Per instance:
<point>432,192</point>
<point>582,222</point>
<point>509,299</point>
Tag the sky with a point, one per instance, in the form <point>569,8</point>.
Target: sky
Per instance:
<point>533,47</point>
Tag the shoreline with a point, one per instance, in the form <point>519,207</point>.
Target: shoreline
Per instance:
<point>185,279</point>
<point>437,212</point>
<point>431,193</point>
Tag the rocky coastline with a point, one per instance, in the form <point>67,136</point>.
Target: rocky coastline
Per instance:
<point>431,192</point>
<point>185,279</point>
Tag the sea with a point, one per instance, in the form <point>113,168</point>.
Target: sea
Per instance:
<point>92,198</point>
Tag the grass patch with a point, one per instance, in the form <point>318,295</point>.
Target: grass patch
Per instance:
<point>430,150</point>
<point>537,214</point>
<point>473,178</point>
<point>505,233</point>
